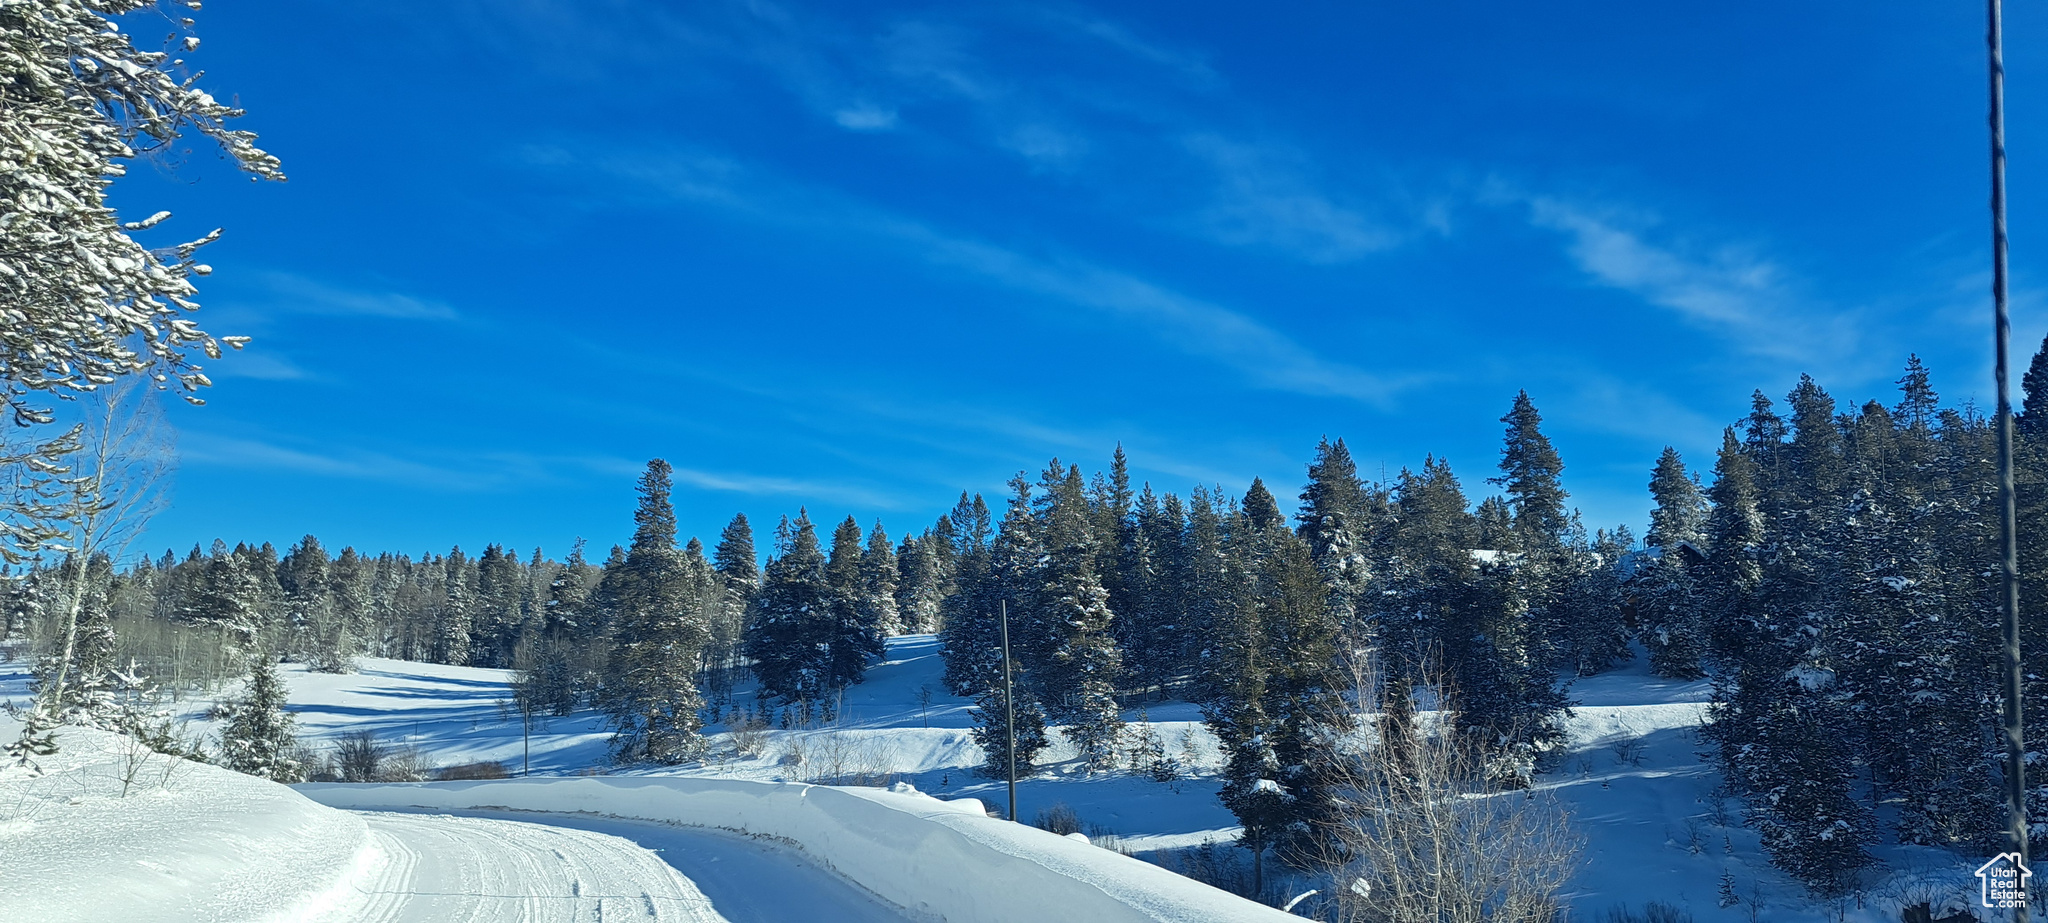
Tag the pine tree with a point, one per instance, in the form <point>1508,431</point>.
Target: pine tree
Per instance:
<point>740,576</point>
<point>260,735</point>
<point>855,630</point>
<point>302,576</point>
<point>1336,510</point>
<point>1667,608</point>
<point>1146,630</point>
<point>1075,660</point>
<point>88,304</point>
<point>921,589</point>
<point>650,694</point>
<point>968,639</point>
<point>456,609</point>
<point>2032,419</point>
<point>879,578</point>
<point>1272,686</point>
<point>795,625</point>
<point>224,598</point>
<point>1553,555</point>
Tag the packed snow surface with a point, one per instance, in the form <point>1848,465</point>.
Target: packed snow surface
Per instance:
<point>940,860</point>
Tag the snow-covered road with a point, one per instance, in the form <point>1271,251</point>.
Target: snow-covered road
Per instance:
<point>481,867</point>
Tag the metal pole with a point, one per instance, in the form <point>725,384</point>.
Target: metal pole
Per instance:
<point>2015,741</point>
<point>1009,708</point>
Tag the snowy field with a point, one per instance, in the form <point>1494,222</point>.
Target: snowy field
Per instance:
<point>207,842</point>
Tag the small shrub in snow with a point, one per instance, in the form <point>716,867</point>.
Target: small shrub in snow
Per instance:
<point>359,757</point>
<point>1059,819</point>
<point>749,734</point>
<point>840,757</point>
<point>1225,868</point>
<point>480,770</point>
<point>1652,912</point>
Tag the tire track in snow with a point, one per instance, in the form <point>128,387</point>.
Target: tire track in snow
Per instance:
<point>449,869</point>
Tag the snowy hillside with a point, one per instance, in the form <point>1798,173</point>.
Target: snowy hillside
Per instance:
<point>1634,781</point>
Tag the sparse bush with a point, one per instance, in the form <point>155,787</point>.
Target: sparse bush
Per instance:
<point>1225,868</point>
<point>408,763</point>
<point>1652,912</point>
<point>1059,819</point>
<point>1419,803</point>
<point>840,757</point>
<point>748,733</point>
<point>359,757</point>
<point>480,770</point>
<point>1108,839</point>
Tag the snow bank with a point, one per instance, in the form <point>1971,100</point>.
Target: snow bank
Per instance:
<point>186,842</point>
<point>939,860</point>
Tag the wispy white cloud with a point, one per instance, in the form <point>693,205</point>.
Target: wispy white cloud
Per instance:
<point>865,116</point>
<point>258,363</point>
<point>1189,64</point>
<point>1266,357</point>
<point>1748,298</point>
<point>488,471</point>
<point>299,294</point>
<point>1264,198</point>
<point>764,486</point>
<point>352,464</point>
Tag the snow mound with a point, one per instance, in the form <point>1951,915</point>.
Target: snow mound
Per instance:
<point>939,860</point>
<point>184,841</point>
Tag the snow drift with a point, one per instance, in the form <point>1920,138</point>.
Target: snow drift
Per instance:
<point>937,859</point>
<point>112,832</point>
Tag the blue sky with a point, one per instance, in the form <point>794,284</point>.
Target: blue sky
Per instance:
<point>860,257</point>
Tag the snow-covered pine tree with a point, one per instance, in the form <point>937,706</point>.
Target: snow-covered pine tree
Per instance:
<point>1552,551</point>
<point>1667,610</point>
<point>1067,624</point>
<point>791,638</point>
<point>223,597</point>
<point>921,587</point>
<point>1782,704</point>
<point>1145,631</point>
<point>261,735</point>
<point>458,606</point>
<point>1419,620</point>
<point>351,627</point>
<point>973,647</point>
<point>650,691</point>
<point>1202,578</point>
<point>302,575</point>
<point>560,661</point>
<point>1114,527</point>
<point>968,639</point>
<point>99,305</point>
<point>854,635</point>
<point>879,578</point>
<point>494,628</point>
<point>1271,680</point>
<point>1337,515</point>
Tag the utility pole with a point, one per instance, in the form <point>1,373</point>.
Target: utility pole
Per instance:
<point>2015,742</point>
<point>1009,708</point>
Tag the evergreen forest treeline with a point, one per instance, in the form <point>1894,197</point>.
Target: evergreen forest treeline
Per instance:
<point>1834,578</point>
